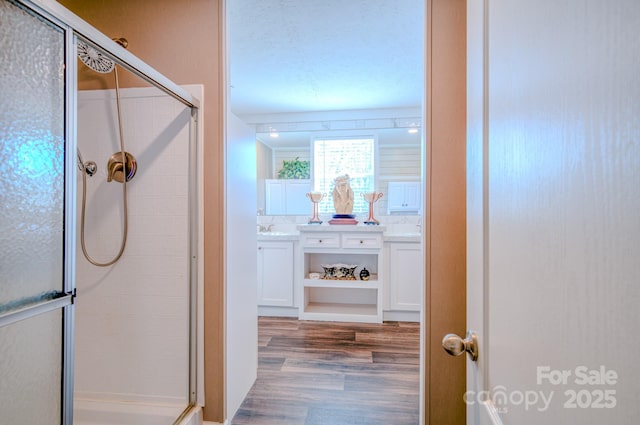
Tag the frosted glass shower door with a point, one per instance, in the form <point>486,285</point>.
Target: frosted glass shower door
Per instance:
<point>33,298</point>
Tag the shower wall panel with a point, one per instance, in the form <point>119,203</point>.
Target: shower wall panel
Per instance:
<point>132,319</point>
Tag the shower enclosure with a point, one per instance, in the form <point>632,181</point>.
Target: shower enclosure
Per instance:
<point>114,340</point>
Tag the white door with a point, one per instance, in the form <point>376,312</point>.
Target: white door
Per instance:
<point>275,274</point>
<point>405,281</point>
<point>553,211</point>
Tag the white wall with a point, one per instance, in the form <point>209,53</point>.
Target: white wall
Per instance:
<point>241,267</point>
<point>132,319</point>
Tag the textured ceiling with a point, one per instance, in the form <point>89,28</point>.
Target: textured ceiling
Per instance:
<point>325,55</point>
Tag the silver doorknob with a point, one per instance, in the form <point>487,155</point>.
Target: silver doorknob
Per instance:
<point>455,345</point>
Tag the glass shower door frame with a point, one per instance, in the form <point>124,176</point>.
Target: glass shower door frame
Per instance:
<point>73,27</point>
<point>63,298</point>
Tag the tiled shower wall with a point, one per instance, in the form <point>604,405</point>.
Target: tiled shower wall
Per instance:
<point>132,318</point>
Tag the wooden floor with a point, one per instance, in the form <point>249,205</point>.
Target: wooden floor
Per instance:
<point>327,373</point>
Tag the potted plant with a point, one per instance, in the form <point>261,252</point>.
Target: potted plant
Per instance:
<point>294,169</point>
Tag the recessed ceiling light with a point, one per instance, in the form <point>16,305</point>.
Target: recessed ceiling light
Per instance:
<point>274,135</point>
<point>412,130</point>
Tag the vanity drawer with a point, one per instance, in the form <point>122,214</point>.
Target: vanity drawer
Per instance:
<point>362,240</point>
<point>321,240</point>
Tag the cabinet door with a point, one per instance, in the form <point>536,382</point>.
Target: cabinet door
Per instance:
<point>403,197</point>
<point>297,202</point>
<point>275,274</point>
<point>395,196</point>
<point>275,196</point>
<point>412,196</point>
<point>405,276</point>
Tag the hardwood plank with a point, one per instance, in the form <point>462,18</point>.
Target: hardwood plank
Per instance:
<point>280,381</point>
<point>331,416</point>
<point>396,358</point>
<point>334,373</point>
<point>354,355</point>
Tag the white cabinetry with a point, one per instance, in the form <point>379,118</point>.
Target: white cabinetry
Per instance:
<point>403,197</point>
<point>405,276</point>
<point>341,300</point>
<point>275,274</point>
<point>287,197</point>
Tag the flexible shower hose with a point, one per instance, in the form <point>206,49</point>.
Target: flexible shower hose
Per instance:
<point>124,191</point>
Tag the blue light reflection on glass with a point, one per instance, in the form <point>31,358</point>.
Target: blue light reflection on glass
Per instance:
<point>33,161</point>
<point>32,150</point>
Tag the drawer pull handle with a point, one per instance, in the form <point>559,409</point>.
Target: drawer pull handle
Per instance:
<point>361,241</point>
<point>320,241</point>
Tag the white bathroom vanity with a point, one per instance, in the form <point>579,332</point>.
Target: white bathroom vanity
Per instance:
<point>292,280</point>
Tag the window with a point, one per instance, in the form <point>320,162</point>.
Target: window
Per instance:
<point>337,156</point>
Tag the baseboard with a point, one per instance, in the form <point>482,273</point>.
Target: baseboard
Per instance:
<point>401,316</point>
<point>277,311</point>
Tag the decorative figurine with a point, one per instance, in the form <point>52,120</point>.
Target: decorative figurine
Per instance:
<point>315,197</point>
<point>342,195</point>
<point>343,201</point>
<point>364,274</point>
<point>371,198</point>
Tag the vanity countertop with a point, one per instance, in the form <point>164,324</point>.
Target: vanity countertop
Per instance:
<point>402,237</point>
<point>278,236</point>
<point>340,228</point>
<point>390,234</point>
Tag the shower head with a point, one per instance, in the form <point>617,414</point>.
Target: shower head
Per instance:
<point>95,59</point>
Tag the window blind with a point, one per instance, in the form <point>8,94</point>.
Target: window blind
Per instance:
<point>335,157</point>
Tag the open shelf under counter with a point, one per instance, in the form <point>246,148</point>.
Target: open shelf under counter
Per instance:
<point>354,246</point>
<point>372,283</point>
<point>364,313</point>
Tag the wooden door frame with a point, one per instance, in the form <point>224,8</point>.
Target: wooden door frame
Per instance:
<point>444,306</point>
<point>444,377</point>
